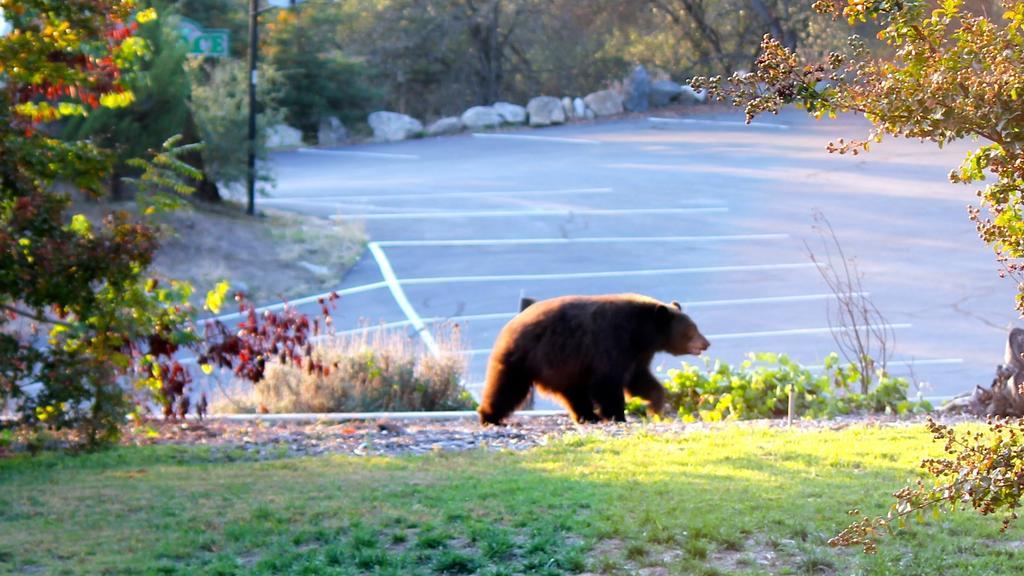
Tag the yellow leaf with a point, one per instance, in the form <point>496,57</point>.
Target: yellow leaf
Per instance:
<point>215,297</point>
<point>147,15</point>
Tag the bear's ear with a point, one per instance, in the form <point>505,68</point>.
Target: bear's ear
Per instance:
<point>677,305</point>
<point>663,313</point>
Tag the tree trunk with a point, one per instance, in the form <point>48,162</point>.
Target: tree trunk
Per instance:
<point>1004,398</point>
<point>206,189</point>
<point>773,24</point>
<point>119,191</point>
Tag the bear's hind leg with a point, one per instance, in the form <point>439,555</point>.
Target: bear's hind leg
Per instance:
<point>505,390</point>
<point>580,405</point>
<point>610,400</point>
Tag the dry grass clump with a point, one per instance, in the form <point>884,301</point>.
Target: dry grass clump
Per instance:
<point>374,371</point>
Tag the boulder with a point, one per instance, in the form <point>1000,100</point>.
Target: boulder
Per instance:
<point>663,92</point>
<point>604,103</point>
<point>545,110</point>
<point>691,96</point>
<point>480,117</point>
<point>511,113</point>
<point>331,132</point>
<point>567,107</point>
<point>579,108</point>
<point>449,125</point>
<point>283,136</point>
<point>392,126</point>
<point>638,90</point>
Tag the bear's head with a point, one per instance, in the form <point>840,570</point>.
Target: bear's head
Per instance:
<point>682,334</point>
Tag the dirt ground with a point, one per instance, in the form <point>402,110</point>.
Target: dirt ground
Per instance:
<point>271,257</point>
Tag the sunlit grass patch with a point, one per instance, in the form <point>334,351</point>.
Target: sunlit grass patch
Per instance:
<point>731,500</point>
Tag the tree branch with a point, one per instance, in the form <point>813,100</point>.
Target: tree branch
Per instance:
<point>36,317</point>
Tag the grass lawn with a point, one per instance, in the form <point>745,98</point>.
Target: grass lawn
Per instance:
<point>733,500</point>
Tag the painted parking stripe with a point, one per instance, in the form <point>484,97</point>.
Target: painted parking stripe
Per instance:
<point>507,315</point>
<point>359,154</point>
<point>744,335</point>
<point>400,298</point>
<point>801,331</point>
<point>656,120</point>
<point>532,213</point>
<point>301,301</point>
<point>526,137</point>
<point>909,363</point>
<point>584,240</point>
<point>431,195</point>
<point>609,274</point>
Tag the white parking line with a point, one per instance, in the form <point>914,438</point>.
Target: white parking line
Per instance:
<point>610,274</point>
<point>507,315</point>
<point>584,240</point>
<point>535,138</point>
<point>741,335</point>
<point>401,299</point>
<point>799,331</point>
<point>431,195</point>
<point>301,301</point>
<point>358,154</point>
<point>656,120</point>
<point>534,213</point>
<point>908,363</point>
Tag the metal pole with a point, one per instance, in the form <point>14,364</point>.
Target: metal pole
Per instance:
<point>254,8</point>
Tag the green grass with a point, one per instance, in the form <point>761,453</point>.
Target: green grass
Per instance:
<point>728,501</point>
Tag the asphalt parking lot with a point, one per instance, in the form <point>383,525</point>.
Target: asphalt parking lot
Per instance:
<point>705,210</point>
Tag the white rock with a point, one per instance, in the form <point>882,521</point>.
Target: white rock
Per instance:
<point>567,107</point>
<point>331,132</point>
<point>392,126</point>
<point>479,117</point>
<point>283,136</point>
<point>511,113</point>
<point>663,92</point>
<point>604,103</point>
<point>448,125</point>
<point>545,110</point>
<point>691,96</point>
<point>579,108</point>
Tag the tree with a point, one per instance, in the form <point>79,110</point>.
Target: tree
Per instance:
<point>317,79</point>
<point>82,280</point>
<point>158,110</point>
<point>945,74</point>
<point>219,105</point>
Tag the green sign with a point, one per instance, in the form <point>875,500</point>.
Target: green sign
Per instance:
<point>203,41</point>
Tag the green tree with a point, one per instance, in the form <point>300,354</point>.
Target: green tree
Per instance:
<point>158,111</point>
<point>220,107</point>
<point>317,79</point>
<point>80,282</point>
<point>947,72</point>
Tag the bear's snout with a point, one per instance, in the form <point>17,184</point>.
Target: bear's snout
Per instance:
<point>699,345</point>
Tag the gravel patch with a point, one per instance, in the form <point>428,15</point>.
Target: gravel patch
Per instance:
<point>265,439</point>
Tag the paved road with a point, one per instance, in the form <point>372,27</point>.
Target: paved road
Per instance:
<point>708,212</point>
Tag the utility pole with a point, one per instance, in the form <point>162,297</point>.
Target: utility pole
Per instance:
<point>254,11</point>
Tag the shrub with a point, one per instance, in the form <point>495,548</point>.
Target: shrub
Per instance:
<point>759,387</point>
<point>384,372</point>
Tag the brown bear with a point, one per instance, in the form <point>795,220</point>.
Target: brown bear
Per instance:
<point>586,351</point>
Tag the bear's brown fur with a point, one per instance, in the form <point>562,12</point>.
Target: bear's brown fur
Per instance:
<point>586,351</point>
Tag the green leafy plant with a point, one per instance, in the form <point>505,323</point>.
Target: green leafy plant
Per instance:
<point>760,387</point>
<point>983,472</point>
